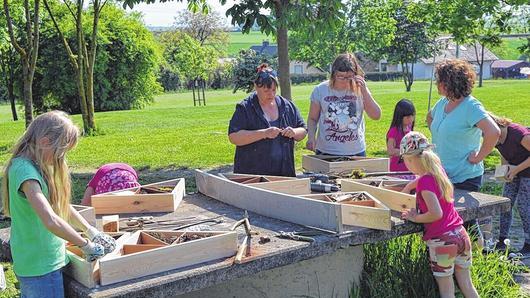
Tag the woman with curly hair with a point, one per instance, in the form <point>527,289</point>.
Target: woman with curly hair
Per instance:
<point>457,122</point>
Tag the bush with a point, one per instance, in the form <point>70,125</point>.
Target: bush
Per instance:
<point>384,76</point>
<point>308,78</point>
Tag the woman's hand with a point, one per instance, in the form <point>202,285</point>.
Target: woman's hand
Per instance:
<point>310,145</point>
<point>288,132</point>
<point>359,80</point>
<point>512,172</point>
<point>272,132</point>
<point>473,157</point>
<point>409,214</point>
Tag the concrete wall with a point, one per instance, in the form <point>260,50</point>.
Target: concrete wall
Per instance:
<point>325,276</point>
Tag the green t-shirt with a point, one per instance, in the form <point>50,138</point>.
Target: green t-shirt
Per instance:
<point>35,250</point>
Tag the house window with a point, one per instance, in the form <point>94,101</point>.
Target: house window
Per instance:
<point>298,69</point>
<point>384,67</point>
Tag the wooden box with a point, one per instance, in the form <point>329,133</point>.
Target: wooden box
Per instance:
<point>501,171</point>
<point>359,209</point>
<point>287,185</point>
<point>386,182</point>
<point>328,164</point>
<point>142,254</point>
<point>394,200</point>
<point>87,212</point>
<point>87,273</point>
<point>163,196</point>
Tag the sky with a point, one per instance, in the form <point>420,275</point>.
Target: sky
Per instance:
<point>163,14</point>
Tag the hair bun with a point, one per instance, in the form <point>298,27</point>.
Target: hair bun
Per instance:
<point>262,67</point>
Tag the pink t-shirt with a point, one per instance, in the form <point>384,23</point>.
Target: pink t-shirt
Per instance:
<point>114,176</point>
<point>394,133</point>
<point>450,217</point>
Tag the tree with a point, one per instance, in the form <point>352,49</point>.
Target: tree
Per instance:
<point>411,41</point>
<point>208,29</point>
<point>187,57</point>
<point>126,64</point>
<point>244,71</point>
<point>8,61</point>
<point>276,17</point>
<point>84,59</point>
<point>27,48</point>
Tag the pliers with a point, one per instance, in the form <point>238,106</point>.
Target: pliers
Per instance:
<point>298,236</point>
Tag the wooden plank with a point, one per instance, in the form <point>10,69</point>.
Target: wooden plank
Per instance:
<point>286,207</point>
<point>134,248</point>
<point>321,164</point>
<point>114,203</point>
<point>86,273</point>
<point>87,212</point>
<point>236,177</point>
<point>501,171</point>
<point>148,239</point>
<point>110,223</point>
<point>292,187</point>
<point>394,200</point>
<point>121,268</point>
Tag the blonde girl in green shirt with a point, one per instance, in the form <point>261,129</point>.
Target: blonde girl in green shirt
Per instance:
<point>36,195</point>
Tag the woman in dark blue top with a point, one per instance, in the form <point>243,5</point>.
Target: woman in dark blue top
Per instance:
<point>264,127</point>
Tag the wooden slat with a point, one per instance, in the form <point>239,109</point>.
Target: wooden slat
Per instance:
<point>292,187</point>
<point>368,217</point>
<point>134,248</point>
<point>87,212</point>
<point>166,258</point>
<point>286,207</point>
<point>392,199</point>
<point>113,203</point>
<point>110,223</point>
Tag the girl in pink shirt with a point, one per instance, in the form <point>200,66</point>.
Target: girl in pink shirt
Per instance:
<point>110,177</point>
<point>402,123</point>
<point>447,240</point>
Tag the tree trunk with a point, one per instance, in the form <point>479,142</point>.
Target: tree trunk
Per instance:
<point>28,95</point>
<point>283,52</point>
<point>11,94</point>
<point>481,65</point>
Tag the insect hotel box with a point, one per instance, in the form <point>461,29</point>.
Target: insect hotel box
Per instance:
<point>144,253</point>
<point>163,196</point>
<point>339,165</point>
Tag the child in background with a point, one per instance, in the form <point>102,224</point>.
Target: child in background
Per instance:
<point>402,123</point>
<point>447,240</point>
<point>514,147</point>
<point>110,177</point>
<point>36,195</point>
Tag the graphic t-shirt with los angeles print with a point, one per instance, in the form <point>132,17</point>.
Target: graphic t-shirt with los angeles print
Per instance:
<point>341,124</point>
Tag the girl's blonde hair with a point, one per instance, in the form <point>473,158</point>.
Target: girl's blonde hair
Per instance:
<point>344,63</point>
<point>431,163</point>
<point>61,135</point>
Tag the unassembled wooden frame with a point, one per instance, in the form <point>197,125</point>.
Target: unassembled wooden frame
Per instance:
<point>394,200</point>
<point>300,207</point>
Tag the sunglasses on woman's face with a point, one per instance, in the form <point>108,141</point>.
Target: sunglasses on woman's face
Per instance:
<point>342,78</point>
<point>265,74</point>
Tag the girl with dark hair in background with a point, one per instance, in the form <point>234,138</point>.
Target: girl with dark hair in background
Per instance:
<point>402,123</point>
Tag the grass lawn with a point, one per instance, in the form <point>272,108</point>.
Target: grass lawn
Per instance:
<point>173,133</point>
<point>240,41</point>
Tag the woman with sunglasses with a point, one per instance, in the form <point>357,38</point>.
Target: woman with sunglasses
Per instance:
<point>264,127</point>
<point>336,109</point>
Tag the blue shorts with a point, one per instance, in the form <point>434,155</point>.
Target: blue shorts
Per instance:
<point>49,285</point>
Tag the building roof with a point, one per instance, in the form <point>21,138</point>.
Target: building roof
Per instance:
<point>266,49</point>
<point>467,53</point>
<point>507,63</point>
